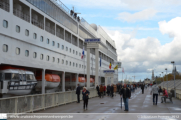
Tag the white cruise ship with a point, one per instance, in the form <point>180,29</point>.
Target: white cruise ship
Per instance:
<point>43,40</point>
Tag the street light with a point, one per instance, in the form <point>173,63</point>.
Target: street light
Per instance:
<point>166,79</point>
<point>174,77</point>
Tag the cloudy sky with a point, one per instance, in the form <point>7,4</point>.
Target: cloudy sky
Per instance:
<point>147,33</point>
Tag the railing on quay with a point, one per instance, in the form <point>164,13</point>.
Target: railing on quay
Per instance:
<point>31,103</point>
<point>4,5</point>
<point>21,15</point>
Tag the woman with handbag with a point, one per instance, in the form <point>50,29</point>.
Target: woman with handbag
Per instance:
<point>85,94</point>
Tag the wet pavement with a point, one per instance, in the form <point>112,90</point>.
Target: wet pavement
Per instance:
<point>140,108</point>
<point>139,103</point>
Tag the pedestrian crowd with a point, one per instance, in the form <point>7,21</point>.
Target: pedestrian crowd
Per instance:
<point>124,91</point>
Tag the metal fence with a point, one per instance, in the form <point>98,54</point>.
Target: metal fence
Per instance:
<point>171,87</point>
<point>31,103</point>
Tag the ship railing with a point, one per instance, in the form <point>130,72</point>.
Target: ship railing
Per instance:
<point>50,30</point>
<point>61,6</point>
<point>68,39</point>
<point>60,35</point>
<point>37,23</point>
<point>31,103</point>
<point>21,15</point>
<point>4,5</point>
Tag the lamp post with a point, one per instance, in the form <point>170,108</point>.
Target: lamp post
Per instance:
<point>166,79</point>
<point>174,78</point>
<point>163,80</point>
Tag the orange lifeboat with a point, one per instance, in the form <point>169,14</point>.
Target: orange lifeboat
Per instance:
<point>49,78</point>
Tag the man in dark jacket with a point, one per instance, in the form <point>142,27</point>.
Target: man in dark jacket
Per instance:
<point>112,90</point>
<point>126,93</point>
<point>108,89</point>
<point>142,87</point>
<point>98,92</point>
<point>78,93</point>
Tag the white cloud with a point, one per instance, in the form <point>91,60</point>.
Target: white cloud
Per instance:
<point>139,55</point>
<point>142,15</point>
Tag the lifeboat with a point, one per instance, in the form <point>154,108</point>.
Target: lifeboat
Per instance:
<point>52,81</point>
<point>16,81</point>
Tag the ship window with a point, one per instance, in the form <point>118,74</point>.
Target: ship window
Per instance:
<point>70,63</point>
<point>58,60</point>
<point>73,64</point>
<point>26,53</point>
<point>76,65</point>
<point>29,77</point>
<point>27,32</point>
<point>76,52</point>
<point>15,76</point>
<point>34,36</point>
<point>7,76</point>
<point>82,66</point>
<point>53,43</point>
<point>66,62</point>
<point>5,48</point>
<point>58,45</point>
<point>41,38</point>
<point>5,24</point>
<point>17,51</point>
<point>41,56</point>
<point>73,51</point>
<point>79,54</point>
<point>66,48</point>
<point>53,59</point>
<point>34,55</point>
<point>79,65</point>
<point>48,58</point>
<point>62,61</point>
<point>48,41</point>
<point>70,50</point>
<point>17,29</point>
<point>62,47</point>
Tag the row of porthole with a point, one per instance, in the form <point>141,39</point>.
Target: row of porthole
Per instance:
<point>5,25</point>
<point>18,51</point>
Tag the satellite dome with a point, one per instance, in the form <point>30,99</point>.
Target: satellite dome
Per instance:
<point>94,26</point>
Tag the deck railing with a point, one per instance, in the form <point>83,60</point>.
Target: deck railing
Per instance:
<point>31,103</point>
<point>21,15</point>
<point>4,5</point>
<point>50,30</point>
<point>37,23</point>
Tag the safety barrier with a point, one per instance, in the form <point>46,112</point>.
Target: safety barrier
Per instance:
<point>31,103</point>
<point>171,87</point>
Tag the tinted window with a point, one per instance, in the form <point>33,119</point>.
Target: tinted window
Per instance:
<point>17,29</point>
<point>15,76</point>
<point>5,48</point>
<point>7,76</point>
<point>29,77</point>
<point>5,24</point>
<point>27,32</point>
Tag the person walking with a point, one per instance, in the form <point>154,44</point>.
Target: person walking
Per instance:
<point>98,92</point>
<point>104,90</point>
<point>112,90</point>
<point>101,91</point>
<point>160,90</point>
<point>155,93</point>
<point>108,90</point>
<point>78,93</point>
<point>126,93</point>
<point>142,88</point>
<point>165,95</point>
<point>85,94</point>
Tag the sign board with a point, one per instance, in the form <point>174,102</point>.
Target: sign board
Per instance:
<point>89,40</point>
<point>118,64</point>
<point>108,71</point>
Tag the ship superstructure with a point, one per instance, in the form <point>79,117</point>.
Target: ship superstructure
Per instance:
<point>44,37</point>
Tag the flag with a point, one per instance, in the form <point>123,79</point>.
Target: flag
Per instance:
<point>110,65</point>
<point>123,70</point>
<point>82,56</point>
<point>116,67</point>
<point>100,61</point>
